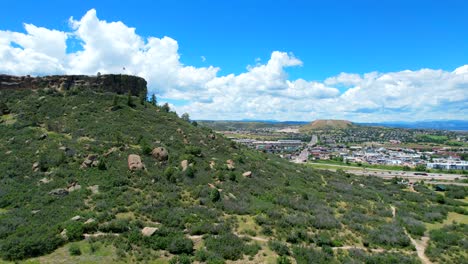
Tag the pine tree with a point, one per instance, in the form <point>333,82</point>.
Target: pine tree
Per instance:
<point>153,100</point>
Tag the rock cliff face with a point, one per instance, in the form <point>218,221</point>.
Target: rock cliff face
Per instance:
<point>117,83</point>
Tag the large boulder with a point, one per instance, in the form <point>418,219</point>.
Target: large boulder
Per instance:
<point>230,164</point>
<point>184,164</point>
<point>148,231</point>
<point>134,162</point>
<point>160,154</point>
<point>247,174</point>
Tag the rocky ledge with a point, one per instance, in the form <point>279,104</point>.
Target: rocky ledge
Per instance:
<point>117,83</point>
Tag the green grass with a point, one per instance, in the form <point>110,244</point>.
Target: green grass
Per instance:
<point>451,217</point>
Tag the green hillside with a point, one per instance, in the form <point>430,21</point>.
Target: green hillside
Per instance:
<point>67,194</point>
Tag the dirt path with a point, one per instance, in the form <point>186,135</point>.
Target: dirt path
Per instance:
<point>420,245</point>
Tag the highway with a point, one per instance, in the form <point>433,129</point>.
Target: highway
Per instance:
<point>430,178</point>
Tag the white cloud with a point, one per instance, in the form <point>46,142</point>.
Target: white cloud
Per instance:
<point>263,91</point>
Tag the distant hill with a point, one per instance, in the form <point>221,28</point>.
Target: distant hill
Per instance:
<point>321,124</point>
<point>458,125</point>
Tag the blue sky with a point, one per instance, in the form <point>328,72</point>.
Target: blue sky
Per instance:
<point>327,38</point>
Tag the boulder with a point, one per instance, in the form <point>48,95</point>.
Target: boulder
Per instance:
<point>89,221</point>
<point>94,189</point>
<point>247,174</point>
<point>148,231</point>
<point>134,162</point>
<point>35,166</point>
<point>212,136</point>
<point>59,192</point>
<point>212,164</point>
<point>230,164</point>
<point>90,161</point>
<point>184,165</point>
<point>76,218</point>
<point>160,154</point>
<point>43,136</point>
<point>63,234</point>
<point>74,187</point>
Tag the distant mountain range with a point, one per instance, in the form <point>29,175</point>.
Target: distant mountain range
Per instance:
<point>460,125</point>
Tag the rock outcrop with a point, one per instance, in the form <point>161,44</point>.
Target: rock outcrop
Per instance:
<point>160,154</point>
<point>134,162</point>
<point>117,83</point>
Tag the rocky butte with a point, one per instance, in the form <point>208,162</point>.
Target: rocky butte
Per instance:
<point>117,83</point>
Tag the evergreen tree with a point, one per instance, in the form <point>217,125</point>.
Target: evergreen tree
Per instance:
<point>153,100</point>
<point>166,108</point>
<point>185,117</point>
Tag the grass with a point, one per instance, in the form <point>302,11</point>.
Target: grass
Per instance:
<point>451,217</point>
<point>246,224</point>
<point>104,254</point>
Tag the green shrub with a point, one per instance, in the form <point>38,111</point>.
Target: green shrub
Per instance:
<point>74,250</point>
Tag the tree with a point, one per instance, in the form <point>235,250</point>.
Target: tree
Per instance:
<point>153,100</point>
<point>214,195</point>
<point>185,117</point>
<point>166,108</point>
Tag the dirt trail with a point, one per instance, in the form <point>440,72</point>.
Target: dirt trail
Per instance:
<point>420,245</point>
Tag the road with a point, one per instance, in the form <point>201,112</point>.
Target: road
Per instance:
<point>430,178</point>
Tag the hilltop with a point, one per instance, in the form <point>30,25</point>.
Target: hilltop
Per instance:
<point>326,124</point>
<point>90,175</point>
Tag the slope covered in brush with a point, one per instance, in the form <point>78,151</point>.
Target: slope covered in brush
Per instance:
<point>64,176</point>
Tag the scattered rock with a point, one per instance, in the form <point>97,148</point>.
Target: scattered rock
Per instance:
<point>90,161</point>
<point>43,136</point>
<point>134,162</point>
<point>160,154</point>
<point>110,151</point>
<point>180,131</point>
<point>247,174</point>
<point>94,189</point>
<point>35,166</point>
<point>63,234</point>
<point>184,165</point>
<point>89,221</point>
<point>212,164</point>
<point>186,142</point>
<point>45,180</point>
<point>59,192</point>
<point>148,231</point>
<point>211,186</point>
<point>76,218</point>
<point>212,136</point>
<point>230,164</point>
<point>74,187</point>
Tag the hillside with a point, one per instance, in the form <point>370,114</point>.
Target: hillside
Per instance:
<point>326,124</point>
<point>68,194</point>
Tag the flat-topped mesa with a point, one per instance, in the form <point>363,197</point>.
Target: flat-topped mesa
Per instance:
<point>117,83</point>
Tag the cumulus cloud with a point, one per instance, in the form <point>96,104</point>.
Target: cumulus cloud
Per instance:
<point>263,91</point>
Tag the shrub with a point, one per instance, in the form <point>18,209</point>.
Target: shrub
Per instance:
<point>279,247</point>
<point>74,250</point>
<point>180,245</point>
<point>215,195</point>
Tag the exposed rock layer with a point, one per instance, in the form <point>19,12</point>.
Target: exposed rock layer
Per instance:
<point>117,83</point>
